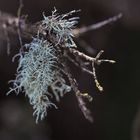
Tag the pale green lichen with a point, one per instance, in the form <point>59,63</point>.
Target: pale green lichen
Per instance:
<point>61,26</point>
<point>37,71</point>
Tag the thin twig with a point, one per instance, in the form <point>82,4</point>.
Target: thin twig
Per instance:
<point>82,105</point>
<point>82,68</point>
<point>19,24</point>
<point>83,30</point>
<point>7,39</point>
<point>83,108</point>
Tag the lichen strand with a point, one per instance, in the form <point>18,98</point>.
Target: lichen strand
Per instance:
<point>36,72</point>
<point>61,26</point>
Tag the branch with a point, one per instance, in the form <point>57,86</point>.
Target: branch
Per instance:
<point>10,24</point>
<point>83,30</point>
<point>93,61</point>
<point>82,105</point>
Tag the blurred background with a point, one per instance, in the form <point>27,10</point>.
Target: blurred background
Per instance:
<point>116,111</point>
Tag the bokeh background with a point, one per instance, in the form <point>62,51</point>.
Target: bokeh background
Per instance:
<point>115,111</point>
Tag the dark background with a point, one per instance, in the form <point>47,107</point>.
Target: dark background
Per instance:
<point>114,110</point>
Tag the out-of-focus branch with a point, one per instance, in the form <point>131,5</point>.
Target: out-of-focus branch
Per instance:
<point>10,24</point>
<point>80,31</point>
<point>136,126</point>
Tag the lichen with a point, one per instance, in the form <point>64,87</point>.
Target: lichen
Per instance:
<point>36,72</point>
<point>61,26</point>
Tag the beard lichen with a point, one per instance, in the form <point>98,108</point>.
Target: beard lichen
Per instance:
<point>36,73</point>
<point>44,72</point>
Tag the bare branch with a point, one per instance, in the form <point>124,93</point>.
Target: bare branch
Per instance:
<point>82,105</point>
<point>83,30</point>
<point>93,61</point>
<point>19,24</point>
